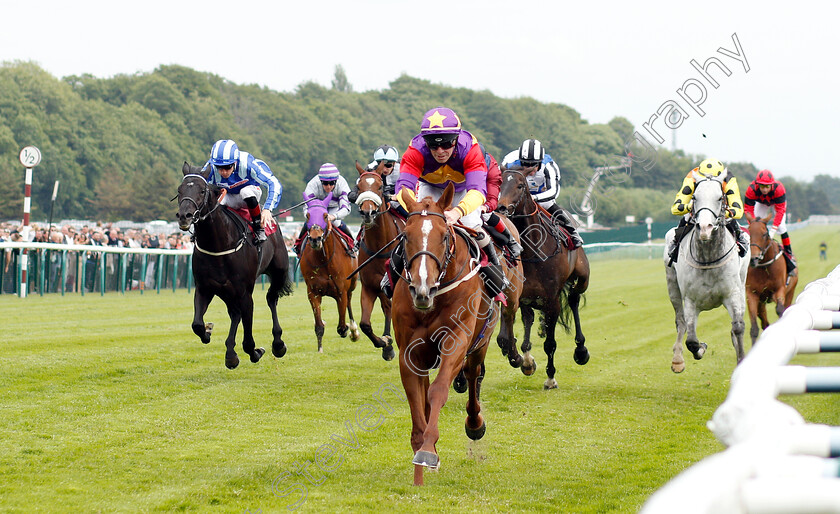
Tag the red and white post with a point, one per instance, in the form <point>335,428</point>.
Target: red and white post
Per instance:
<point>30,156</point>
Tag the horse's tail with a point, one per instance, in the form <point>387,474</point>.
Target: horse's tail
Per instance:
<point>288,287</point>
<point>564,317</point>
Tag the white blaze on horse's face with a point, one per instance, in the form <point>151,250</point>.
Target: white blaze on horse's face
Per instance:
<point>370,181</point>
<point>426,229</point>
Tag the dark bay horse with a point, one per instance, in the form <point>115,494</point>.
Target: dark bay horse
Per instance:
<point>444,319</point>
<point>325,266</point>
<point>226,264</point>
<point>766,276</point>
<point>380,228</point>
<point>555,277</point>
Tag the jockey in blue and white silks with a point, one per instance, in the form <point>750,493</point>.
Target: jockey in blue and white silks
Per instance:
<point>543,177</point>
<point>241,174</point>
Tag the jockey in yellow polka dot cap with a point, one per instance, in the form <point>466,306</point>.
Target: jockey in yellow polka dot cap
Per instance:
<point>682,205</point>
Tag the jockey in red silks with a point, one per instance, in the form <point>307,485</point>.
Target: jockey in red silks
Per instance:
<point>766,195</point>
<point>492,221</point>
<point>440,154</point>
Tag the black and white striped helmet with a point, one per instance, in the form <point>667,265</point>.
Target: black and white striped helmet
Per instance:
<point>531,152</point>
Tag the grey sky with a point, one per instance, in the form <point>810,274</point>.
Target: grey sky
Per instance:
<point>603,59</point>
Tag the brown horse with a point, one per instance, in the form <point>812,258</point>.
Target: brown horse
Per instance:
<point>380,229</point>
<point>766,276</point>
<point>555,277</point>
<point>445,320</point>
<point>325,266</point>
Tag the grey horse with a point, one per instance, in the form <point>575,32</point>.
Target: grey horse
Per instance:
<point>709,273</point>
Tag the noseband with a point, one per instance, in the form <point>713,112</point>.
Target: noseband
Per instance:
<point>372,196</point>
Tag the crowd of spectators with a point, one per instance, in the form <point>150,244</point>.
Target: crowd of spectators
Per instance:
<point>99,234</point>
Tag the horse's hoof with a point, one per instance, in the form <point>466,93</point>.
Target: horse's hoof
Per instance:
<point>388,353</point>
<point>342,331</point>
<point>232,363</point>
<point>460,383</point>
<point>476,433</point>
<point>529,367</point>
<point>697,350</point>
<point>515,362</point>
<point>257,354</point>
<point>426,459</point>
<point>581,355</point>
<point>278,350</point>
<point>550,383</point>
<point>678,367</point>
<point>354,335</point>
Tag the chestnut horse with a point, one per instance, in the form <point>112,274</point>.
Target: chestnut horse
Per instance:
<point>766,276</point>
<point>444,319</point>
<point>226,264</point>
<point>325,266</point>
<point>555,277</point>
<point>380,229</point>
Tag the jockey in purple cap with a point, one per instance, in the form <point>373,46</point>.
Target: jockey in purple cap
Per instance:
<point>328,180</point>
<point>241,174</point>
<point>442,153</point>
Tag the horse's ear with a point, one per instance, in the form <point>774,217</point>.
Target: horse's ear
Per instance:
<point>445,200</point>
<point>750,217</point>
<point>359,168</point>
<point>768,218</point>
<point>328,199</point>
<point>406,198</point>
<point>697,176</point>
<point>187,168</point>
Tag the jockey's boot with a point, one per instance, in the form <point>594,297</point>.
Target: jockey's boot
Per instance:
<point>259,232</point>
<point>740,237</point>
<point>493,275</point>
<point>502,234</point>
<point>563,219</point>
<point>393,269</point>
<point>674,248</point>
<point>790,260</point>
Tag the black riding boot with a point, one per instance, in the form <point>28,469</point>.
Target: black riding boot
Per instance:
<point>259,232</point>
<point>740,237</point>
<point>494,276</point>
<point>505,238</point>
<point>674,250</point>
<point>563,219</point>
<point>394,267</point>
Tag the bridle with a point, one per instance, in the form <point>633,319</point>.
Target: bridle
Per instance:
<point>719,214</point>
<point>521,197</point>
<point>197,216</point>
<point>762,251</point>
<point>449,250</point>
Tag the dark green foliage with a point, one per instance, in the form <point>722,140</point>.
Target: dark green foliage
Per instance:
<point>117,145</point>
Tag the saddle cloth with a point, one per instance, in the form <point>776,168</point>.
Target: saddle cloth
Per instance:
<point>245,215</point>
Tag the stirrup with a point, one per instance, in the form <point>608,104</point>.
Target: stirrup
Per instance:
<point>515,248</point>
<point>385,285</point>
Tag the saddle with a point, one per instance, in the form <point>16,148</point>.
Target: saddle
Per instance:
<point>246,216</point>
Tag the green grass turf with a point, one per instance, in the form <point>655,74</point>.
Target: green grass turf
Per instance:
<point>111,404</point>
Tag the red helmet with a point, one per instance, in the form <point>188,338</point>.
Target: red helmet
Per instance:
<point>765,178</point>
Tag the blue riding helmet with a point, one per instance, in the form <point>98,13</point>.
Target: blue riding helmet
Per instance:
<point>224,153</point>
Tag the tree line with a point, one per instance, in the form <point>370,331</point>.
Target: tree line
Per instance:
<point>116,145</point>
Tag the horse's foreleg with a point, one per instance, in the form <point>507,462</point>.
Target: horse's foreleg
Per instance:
<point>474,368</point>
<point>248,343</point>
<point>388,349</point>
<point>415,386</point>
<point>581,355</point>
<point>367,302</point>
<point>529,365</point>
<point>677,361</point>
<point>315,302</point>
<point>200,304</point>
<point>342,302</point>
<point>231,359</point>
<point>779,298</point>
<point>278,347</point>
<point>354,329</point>
<point>506,339</point>
<point>694,345</point>
<point>550,346</point>
<point>753,308</point>
<point>735,306</point>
